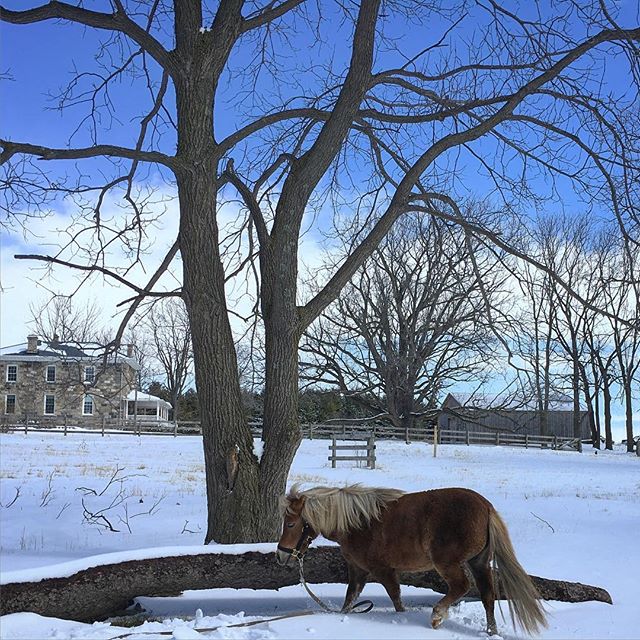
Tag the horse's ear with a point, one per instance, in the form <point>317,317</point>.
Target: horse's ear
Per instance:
<point>297,503</point>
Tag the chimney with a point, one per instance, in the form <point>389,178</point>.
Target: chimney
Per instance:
<point>32,344</point>
<point>129,351</point>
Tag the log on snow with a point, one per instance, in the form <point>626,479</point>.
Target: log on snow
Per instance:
<point>99,592</point>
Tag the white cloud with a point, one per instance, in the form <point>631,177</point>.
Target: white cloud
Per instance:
<point>27,282</point>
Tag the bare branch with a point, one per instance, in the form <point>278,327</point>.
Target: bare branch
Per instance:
<point>9,149</point>
<point>118,21</point>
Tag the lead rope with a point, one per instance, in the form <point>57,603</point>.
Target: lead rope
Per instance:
<point>356,608</point>
<point>251,623</point>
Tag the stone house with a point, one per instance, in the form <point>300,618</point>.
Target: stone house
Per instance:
<point>482,413</point>
<point>55,383</point>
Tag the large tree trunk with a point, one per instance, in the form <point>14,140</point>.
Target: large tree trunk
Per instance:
<point>236,508</point>
<point>230,465</point>
<point>280,426</point>
<point>106,590</point>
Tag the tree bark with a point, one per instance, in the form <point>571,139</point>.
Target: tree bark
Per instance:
<point>606,390</point>
<point>628,413</point>
<point>224,426</point>
<point>106,590</point>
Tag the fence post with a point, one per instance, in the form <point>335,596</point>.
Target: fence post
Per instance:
<point>104,419</point>
<point>468,437</point>
<point>435,440</point>
<point>371,452</point>
<point>526,440</point>
<point>65,424</point>
<point>311,431</point>
<point>333,452</point>
<point>555,441</point>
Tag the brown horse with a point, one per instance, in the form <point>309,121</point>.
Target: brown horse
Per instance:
<point>384,531</point>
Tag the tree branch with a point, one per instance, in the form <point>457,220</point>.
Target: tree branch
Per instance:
<point>9,149</point>
<point>118,21</point>
<point>400,199</point>
<point>270,14</point>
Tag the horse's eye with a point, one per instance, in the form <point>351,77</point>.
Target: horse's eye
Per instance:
<point>291,524</point>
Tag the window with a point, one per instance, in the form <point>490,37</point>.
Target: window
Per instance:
<point>49,405</point>
<point>89,374</point>
<point>87,406</point>
<point>10,403</point>
<point>12,373</point>
<point>51,373</point>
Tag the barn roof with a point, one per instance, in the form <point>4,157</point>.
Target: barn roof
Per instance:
<point>505,402</point>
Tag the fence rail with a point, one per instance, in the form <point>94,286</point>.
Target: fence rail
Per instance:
<point>368,447</point>
<point>325,431</point>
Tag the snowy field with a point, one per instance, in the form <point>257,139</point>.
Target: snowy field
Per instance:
<point>571,517</point>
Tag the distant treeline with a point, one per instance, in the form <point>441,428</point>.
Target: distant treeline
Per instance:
<point>316,406</point>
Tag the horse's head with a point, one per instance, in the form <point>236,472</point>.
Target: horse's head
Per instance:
<point>296,533</point>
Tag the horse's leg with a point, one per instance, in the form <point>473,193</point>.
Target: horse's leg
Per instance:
<point>389,580</point>
<point>357,580</point>
<point>458,583</point>
<point>483,575</point>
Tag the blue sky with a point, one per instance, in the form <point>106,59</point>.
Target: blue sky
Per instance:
<point>41,58</point>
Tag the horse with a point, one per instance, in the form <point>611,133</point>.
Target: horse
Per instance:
<point>382,532</point>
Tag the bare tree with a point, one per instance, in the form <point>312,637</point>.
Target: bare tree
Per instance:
<point>167,324</point>
<point>59,319</point>
<point>621,294</point>
<point>410,323</point>
<point>534,341</point>
<point>565,245</point>
<point>385,128</point>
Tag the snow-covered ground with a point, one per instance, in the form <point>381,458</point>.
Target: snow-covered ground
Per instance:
<point>571,517</point>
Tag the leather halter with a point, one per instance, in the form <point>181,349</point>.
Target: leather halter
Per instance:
<point>306,538</point>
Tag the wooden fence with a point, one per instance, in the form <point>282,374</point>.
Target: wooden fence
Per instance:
<point>366,446</point>
<point>311,431</point>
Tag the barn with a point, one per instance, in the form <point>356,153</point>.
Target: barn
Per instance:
<point>483,412</point>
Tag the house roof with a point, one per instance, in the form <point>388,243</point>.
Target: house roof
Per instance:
<point>454,400</point>
<point>147,398</point>
<point>54,351</point>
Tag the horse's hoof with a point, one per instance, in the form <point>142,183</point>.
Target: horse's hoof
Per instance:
<point>437,619</point>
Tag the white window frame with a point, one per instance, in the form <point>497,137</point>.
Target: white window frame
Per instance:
<point>6,403</point>
<point>93,373</point>
<point>90,397</point>
<point>49,395</point>
<point>46,374</point>
<point>15,368</point>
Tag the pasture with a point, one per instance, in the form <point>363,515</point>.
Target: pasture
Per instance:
<point>571,517</point>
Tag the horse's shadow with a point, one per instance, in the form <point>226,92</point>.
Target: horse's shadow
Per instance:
<point>213,603</point>
<point>261,604</point>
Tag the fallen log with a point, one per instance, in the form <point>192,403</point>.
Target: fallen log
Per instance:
<point>97,592</point>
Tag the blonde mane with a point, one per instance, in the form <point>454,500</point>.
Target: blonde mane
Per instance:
<point>341,509</point>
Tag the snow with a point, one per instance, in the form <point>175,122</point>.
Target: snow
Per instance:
<point>571,517</point>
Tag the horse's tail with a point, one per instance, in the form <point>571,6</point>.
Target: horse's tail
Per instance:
<point>516,585</point>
